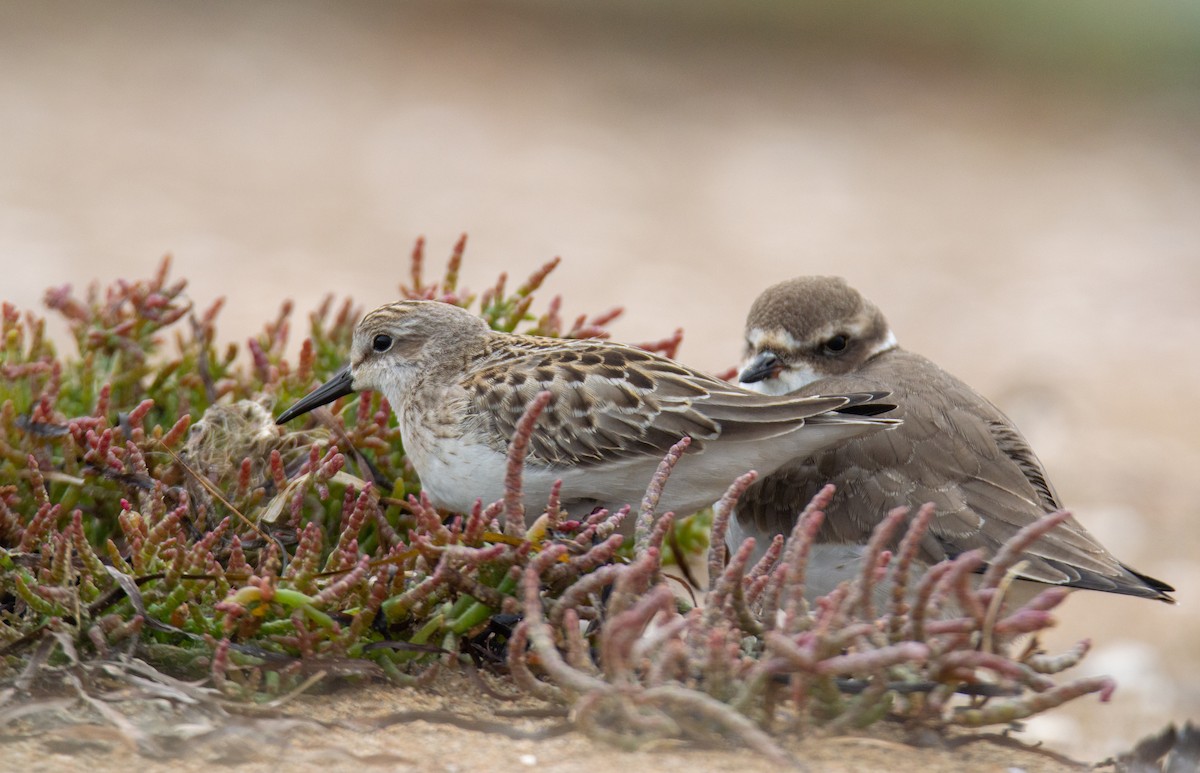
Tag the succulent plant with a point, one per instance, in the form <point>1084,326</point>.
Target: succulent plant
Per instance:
<point>151,509</point>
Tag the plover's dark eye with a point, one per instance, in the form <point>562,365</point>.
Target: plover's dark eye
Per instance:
<point>837,344</point>
<point>382,343</point>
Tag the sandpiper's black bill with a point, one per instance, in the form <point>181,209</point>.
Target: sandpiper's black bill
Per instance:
<point>340,385</point>
<point>763,366</point>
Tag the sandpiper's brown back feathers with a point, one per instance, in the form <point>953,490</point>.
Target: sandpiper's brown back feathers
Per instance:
<point>613,401</point>
<point>458,390</point>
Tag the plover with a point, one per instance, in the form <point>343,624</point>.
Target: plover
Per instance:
<point>954,449</point>
<point>458,389</point>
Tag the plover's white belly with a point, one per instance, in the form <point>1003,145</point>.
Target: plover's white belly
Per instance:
<point>829,565</point>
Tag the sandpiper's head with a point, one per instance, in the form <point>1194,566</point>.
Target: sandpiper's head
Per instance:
<point>392,345</point>
<point>809,328</point>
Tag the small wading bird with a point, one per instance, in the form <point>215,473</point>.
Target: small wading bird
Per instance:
<point>459,388</point>
<point>954,449</point>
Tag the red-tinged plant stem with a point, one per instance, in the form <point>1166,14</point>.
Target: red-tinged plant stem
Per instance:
<point>645,520</point>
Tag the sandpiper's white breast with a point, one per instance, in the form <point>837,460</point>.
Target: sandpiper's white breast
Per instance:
<point>455,473</point>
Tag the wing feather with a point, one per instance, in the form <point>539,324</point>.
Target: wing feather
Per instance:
<point>613,402</point>
<point>954,449</point>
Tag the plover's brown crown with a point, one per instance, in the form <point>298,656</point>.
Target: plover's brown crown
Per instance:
<point>954,448</point>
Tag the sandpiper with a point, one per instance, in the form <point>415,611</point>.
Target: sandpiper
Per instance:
<point>954,449</point>
<point>458,389</point>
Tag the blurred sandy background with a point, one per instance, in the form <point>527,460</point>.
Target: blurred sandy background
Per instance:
<point>1017,185</point>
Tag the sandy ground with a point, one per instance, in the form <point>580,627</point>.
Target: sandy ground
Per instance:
<point>344,740</point>
<point>1035,234</point>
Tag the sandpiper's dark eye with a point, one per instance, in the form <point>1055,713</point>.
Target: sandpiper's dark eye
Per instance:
<point>382,343</point>
<point>837,344</point>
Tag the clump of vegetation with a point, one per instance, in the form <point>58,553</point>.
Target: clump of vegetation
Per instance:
<point>152,513</point>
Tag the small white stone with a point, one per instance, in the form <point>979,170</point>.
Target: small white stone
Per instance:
<point>528,759</point>
<point>1054,729</point>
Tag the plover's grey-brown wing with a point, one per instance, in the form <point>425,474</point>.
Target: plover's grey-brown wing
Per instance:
<point>612,402</point>
<point>956,450</point>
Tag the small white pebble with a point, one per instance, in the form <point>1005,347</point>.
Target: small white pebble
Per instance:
<point>1054,729</point>
<point>1014,770</point>
<point>528,759</point>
